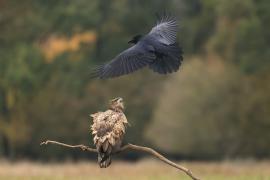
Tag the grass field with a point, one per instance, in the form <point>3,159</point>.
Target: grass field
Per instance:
<point>142,170</point>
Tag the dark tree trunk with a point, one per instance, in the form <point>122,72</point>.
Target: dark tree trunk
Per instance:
<point>5,143</point>
<point>5,146</point>
<point>104,9</point>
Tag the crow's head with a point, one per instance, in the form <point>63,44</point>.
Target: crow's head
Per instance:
<point>135,39</point>
<point>117,104</point>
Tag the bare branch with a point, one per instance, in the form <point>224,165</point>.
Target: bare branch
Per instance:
<point>81,146</point>
<point>128,147</point>
<point>159,156</point>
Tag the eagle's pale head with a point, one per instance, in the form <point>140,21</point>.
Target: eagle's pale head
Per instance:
<point>117,104</point>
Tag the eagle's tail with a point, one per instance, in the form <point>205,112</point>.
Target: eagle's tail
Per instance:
<point>104,154</point>
<point>104,160</point>
<point>169,61</point>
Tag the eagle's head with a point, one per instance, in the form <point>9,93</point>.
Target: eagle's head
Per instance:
<point>117,104</point>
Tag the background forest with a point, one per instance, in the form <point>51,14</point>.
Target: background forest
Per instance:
<point>217,106</point>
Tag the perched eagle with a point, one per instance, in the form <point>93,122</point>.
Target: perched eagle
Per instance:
<point>158,50</point>
<point>108,129</point>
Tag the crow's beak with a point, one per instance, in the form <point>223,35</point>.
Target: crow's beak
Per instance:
<point>130,42</point>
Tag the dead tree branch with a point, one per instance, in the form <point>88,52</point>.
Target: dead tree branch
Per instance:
<point>125,148</point>
<point>159,156</point>
<point>80,146</point>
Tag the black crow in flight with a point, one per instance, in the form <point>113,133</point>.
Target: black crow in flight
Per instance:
<point>158,50</point>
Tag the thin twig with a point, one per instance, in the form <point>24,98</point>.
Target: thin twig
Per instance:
<point>159,156</point>
<point>128,147</point>
<point>81,146</point>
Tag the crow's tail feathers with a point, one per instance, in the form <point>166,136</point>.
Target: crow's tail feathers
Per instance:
<point>169,62</point>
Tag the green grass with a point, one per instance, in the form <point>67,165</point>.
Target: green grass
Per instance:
<point>143,170</point>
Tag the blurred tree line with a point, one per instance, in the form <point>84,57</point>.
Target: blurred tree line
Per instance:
<point>217,106</point>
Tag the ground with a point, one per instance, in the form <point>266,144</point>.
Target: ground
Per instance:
<point>142,170</point>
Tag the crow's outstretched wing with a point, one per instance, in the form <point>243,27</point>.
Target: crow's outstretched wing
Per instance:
<point>165,30</point>
<point>126,62</point>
